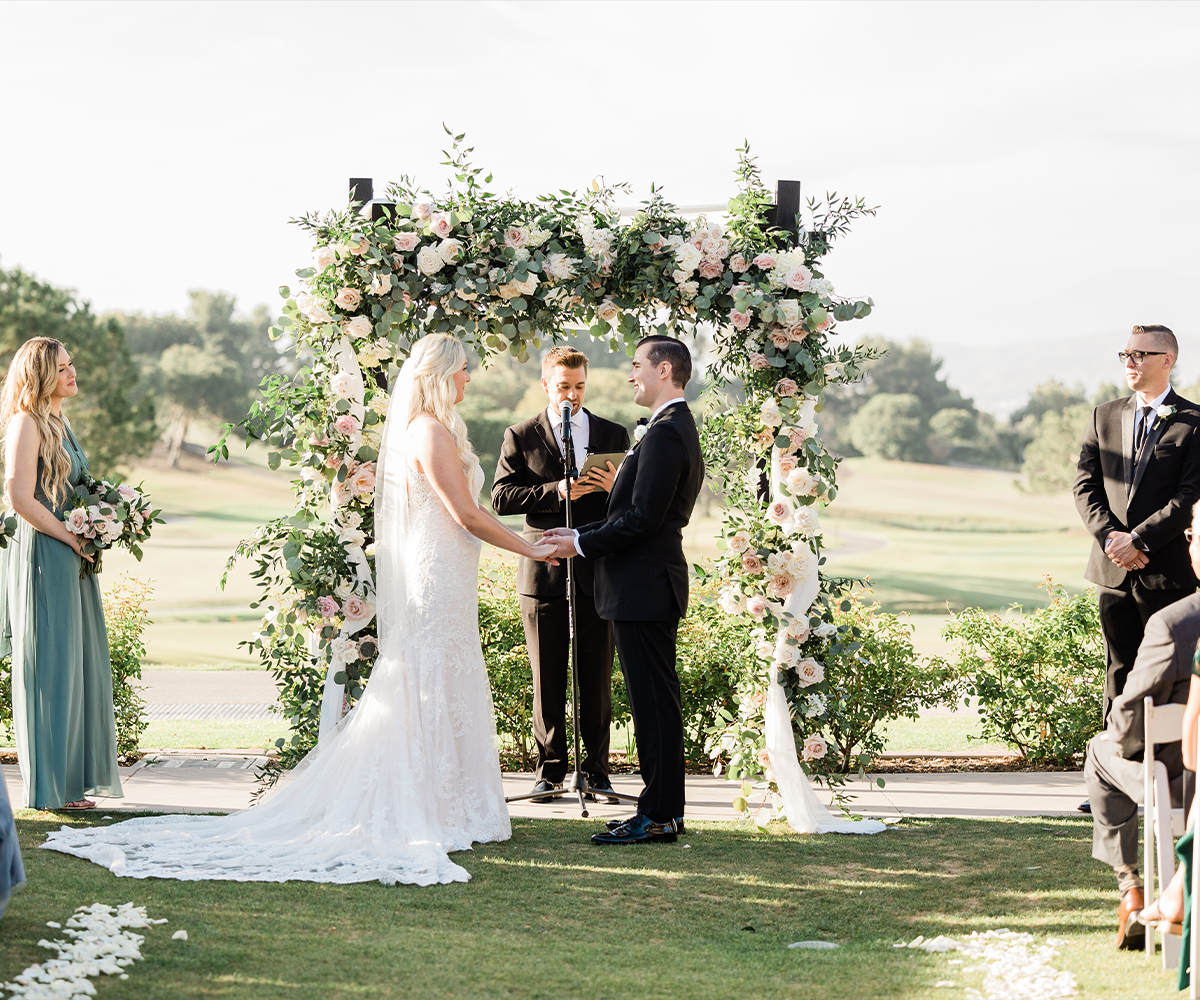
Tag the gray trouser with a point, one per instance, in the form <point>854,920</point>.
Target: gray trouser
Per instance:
<point>1115,790</point>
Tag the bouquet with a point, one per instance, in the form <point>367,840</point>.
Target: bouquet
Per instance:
<point>105,514</point>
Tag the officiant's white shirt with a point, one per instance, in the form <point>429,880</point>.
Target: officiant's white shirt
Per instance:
<point>581,431</point>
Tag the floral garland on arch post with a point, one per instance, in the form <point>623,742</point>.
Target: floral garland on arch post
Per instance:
<point>504,276</point>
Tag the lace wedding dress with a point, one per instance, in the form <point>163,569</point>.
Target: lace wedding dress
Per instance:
<point>410,775</point>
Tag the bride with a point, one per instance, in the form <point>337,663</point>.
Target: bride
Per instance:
<point>411,774</point>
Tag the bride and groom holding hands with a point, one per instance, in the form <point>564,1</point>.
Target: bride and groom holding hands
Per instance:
<point>412,773</point>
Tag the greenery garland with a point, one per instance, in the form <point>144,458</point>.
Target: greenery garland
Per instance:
<point>506,275</point>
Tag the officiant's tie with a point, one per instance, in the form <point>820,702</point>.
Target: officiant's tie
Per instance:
<point>1143,429</point>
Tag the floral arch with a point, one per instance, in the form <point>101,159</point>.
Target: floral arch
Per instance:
<point>504,276</point>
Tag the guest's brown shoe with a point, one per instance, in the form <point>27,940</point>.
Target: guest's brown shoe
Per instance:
<point>1131,935</point>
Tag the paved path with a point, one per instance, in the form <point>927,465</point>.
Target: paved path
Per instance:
<point>198,782</point>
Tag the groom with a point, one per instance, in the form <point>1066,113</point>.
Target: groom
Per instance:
<point>641,578</point>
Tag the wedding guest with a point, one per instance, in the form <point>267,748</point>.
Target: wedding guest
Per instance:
<point>1114,766</point>
<point>51,618</point>
<point>1139,474</point>
<point>12,871</point>
<point>530,481</point>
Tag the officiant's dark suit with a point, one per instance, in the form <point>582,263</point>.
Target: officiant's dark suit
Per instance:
<point>527,478</point>
<point>1147,487</point>
<point>642,588</point>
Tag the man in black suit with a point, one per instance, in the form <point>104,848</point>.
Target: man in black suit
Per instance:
<point>1113,769</point>
<point>642,579</point>
<point>1139,476</point>
<point>530,481</point>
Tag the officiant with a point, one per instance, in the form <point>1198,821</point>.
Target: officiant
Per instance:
<point>530,480</point>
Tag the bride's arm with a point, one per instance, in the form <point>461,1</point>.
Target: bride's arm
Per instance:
<point>437,457</point>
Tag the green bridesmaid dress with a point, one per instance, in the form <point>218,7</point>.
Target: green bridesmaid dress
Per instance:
<point>52,625</point>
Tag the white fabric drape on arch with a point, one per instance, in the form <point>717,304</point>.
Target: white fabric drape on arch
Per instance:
<point>804,811</point>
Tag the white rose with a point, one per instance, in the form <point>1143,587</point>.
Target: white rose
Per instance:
<point>732,602</point>
<point>449,249</point>
<point>687,258</point>
<point>405,242</point>
<point>801,482</point>
<point>806,521</point>
<point>787,655</point>
<point>787,311</point>
<point>825,630</point>
<point>343,590</point>
<point>815,748</point>
<point>348,298</point>
<point>769,414</point>
<point>326,257</point>
<point>345,649</point>
<point>359,328</point>
<point>608,311</point>
<point>560,267</point>
<point>739,541</point>
<point>342,385</point>
<point>381,284</point>
<point>429,261</point>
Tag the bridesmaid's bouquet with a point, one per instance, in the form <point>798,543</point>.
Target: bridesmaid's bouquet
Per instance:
<point>104,515</point>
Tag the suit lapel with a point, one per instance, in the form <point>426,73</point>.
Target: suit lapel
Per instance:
<point>1127,455</point>
<point>1152,436</point>
<point>547,432</point>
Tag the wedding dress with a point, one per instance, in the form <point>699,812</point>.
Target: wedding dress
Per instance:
<point>410,775</point>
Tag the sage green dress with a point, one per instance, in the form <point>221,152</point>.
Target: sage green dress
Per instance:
<point>52,625</point>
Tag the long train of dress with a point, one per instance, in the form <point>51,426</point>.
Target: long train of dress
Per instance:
<point>411,774</point>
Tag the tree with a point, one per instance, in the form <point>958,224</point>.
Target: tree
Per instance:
<point>900,369</point>
<point>1052,456</point>
<point>1051,396</point>
<point>891,425</point>
<point>111,428</point>
<point>205,364</point>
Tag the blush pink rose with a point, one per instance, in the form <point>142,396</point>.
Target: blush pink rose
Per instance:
<point>737,263</point>
<point>786,387</point>
<point>406,242</point>
<point>824,324</point>
<point>348,298</point>
<point>751,563</point>
<point>328,606</point>
<point>798,437</point>
<point>780,338</point>
<point>318,442</point>
<point>515,237</point>
<point>781,585</point>
<point>739,320</point>
<point>779,513</point>
<point>356,609</point>
<point>786,464</point>
<point>759,362</point>
<point>363,479</point>
<point>333,461</point>
<point>423,210</point>
<point>710,268</point>
<point>765,261</point>
<point>797,332</point>
<point>347,424</point>
<point>815,748</point>
<point>757,605</point>
<point>440,225</point>
<point>799,278</point>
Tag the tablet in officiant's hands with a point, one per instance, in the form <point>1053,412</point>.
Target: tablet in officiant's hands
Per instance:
<point>600,462</point>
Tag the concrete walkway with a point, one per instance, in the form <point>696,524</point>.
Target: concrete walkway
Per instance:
<point>199,782</point>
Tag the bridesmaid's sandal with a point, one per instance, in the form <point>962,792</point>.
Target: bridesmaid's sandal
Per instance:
<point>80,805</point>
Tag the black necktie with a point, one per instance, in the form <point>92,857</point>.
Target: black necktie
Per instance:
<point>1143,430</point>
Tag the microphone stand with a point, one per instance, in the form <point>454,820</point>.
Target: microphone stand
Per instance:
<point>577,781</point>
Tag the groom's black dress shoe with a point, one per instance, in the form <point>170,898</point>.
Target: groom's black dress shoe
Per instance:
<point>600,784</point>
<point>546,786</point>
<point>612,824</point>
<point>639,830</point>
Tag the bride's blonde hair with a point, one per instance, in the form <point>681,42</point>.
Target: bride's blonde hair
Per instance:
<point>430,371</point>
<point>31,379</point>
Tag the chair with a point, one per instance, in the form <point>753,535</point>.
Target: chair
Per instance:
<point>1164,724</point>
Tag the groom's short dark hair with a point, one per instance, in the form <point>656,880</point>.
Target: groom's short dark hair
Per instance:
<point>674,353</point>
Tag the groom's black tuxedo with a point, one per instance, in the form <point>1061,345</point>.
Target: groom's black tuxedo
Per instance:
<point>1150,492</point>
<point>527,478</point>
<point>642,588</point>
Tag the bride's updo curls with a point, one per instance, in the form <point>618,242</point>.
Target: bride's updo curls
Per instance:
<point>429,374</point>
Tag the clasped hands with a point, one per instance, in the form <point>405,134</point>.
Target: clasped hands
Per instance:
<point>555,544</point>
<point>1120,549</point>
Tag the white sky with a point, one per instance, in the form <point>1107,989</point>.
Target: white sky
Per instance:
<point>1035,164</point>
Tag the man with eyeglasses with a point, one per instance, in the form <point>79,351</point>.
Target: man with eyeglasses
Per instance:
<point>1138,479</point>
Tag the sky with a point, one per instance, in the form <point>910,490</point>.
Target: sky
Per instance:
<point>1034,164</point>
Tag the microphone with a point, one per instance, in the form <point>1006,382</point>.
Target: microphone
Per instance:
<point>566,419</point>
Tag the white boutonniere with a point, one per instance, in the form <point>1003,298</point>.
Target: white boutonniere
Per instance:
<point>639,431</point>
<point>1162,415</point>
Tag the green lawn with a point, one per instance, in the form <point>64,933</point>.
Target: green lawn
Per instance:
<point>549,916</point>
<point>215,734</point>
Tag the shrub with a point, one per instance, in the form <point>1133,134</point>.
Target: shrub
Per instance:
<point>126,618</point>
<point>1038,678</point>
<point>890,425</point>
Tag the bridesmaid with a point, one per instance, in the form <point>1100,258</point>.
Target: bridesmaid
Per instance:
<point>51,620</point>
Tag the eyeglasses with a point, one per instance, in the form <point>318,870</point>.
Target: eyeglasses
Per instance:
<point>1137,357</point>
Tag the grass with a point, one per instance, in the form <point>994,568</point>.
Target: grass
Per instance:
<point>214,734</point>
<point>945,734</point>
<point>549,916</point>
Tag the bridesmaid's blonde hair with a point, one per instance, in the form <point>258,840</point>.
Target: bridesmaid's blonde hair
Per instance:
<point>430,369</point>
<point>31,379</point>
